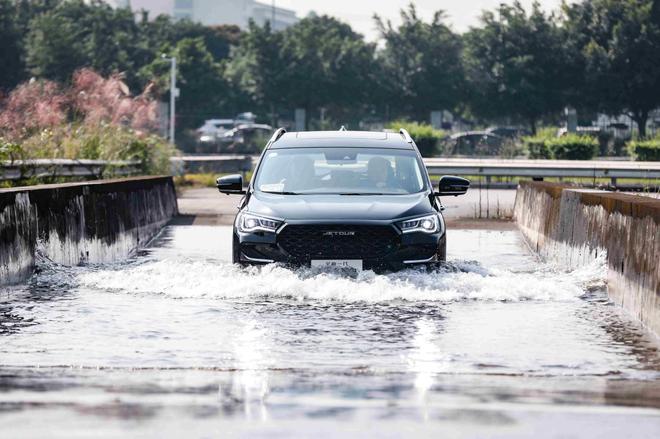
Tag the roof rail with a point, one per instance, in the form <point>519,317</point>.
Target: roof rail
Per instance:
<point>406,135</point>
<point>276,135</point>
<point>343,128</point>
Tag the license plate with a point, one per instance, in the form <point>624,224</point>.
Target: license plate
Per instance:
<point>338,263</point>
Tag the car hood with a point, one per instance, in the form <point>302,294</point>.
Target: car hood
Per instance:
<point>339,207</point>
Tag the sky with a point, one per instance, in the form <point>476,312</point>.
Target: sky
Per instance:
<point>359,13</point>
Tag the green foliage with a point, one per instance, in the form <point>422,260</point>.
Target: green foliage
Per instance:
<point>422,65</point>
<point>567,147</point>
<point>645,150</point>
<point>515,63</point>
<point>200,77</point>
<point>10,151</point>
<point>425,136</point>
<point>103,142</point>
<point>318,62</point>
<point>257,68</point>
<point>615,44</point>
<point>12,46</point>
<point>537,146</point>
<point>573,147</point>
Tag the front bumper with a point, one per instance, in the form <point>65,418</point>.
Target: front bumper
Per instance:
<point>407,249</point>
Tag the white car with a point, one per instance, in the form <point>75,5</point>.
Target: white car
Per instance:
<point>214,129</point>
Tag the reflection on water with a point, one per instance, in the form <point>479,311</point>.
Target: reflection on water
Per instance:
<point>179,333</point>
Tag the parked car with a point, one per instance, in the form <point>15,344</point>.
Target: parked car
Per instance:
<point>214,128</point>
<point>354,199</point>
<point>247,117</point>
<point>508,132</point>
<point>479,143</point>
<point>247,137</point>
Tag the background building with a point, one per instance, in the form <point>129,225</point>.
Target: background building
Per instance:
<point>215,12</point>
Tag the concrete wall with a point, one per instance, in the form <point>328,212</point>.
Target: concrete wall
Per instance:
<point>574,226</point>
<point>76,223</point>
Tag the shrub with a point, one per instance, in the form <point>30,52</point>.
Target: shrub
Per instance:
<point>32,106</point>
<point>426,137</point>
<point>102,142</point>
<point>567,147</point>
<point>645,150</point>
<point>511,149</point>
<point>10,151</point>
<point>537,147</point>
<point>573,147</point>
<point>94,118</point>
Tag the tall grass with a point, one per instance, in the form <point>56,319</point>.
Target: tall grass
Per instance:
<point>93,118</point>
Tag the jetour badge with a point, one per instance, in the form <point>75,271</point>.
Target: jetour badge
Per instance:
<point>335,234</point>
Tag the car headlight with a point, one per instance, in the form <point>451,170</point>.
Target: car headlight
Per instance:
<point>253,223</point>
<point>426,224</point>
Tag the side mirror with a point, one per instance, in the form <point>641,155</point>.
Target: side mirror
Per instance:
<point>230,184</point>
<point>451,185</point>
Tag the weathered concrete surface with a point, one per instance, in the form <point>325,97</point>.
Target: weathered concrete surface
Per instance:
<point>78,223</point>
<point>574,226</point>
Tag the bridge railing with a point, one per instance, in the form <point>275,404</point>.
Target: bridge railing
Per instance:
<point>487,168</point>
<point>540,169</point>
<point>45,168</point>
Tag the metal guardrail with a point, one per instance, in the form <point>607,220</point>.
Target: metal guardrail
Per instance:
<point>539,169</point>
<point>488,168</point>
<point>44,168</point>
<point>221,164</point>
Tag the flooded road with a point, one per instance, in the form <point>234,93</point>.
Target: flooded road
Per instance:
<point>178,342</point>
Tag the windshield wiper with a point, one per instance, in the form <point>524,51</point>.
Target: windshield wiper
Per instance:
<point>361,194</point>
<point>281,193</point>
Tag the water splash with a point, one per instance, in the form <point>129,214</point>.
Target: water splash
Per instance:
<point>458,281</point>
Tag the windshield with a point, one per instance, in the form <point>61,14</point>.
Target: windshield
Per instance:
<point>346,171</point>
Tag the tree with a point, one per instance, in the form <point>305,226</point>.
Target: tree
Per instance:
<point>15,16</point>
<point>164,29</point>
<point>516,64</point>
<point>328,65</point>
<point>257,68</point>
<point>77,34</point>
<point>618,42</point>
<point>204,91</point>
<point>422,66</point>
<point>317,63</point>
<point>11,48</point>
<point>54,47</point>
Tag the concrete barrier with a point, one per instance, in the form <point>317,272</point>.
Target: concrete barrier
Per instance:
<point>77,223</point>
<point>574,226</point>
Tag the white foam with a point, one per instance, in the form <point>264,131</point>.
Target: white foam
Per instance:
<point>462,280</point>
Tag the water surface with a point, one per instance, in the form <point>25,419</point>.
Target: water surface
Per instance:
<point>179,342</point>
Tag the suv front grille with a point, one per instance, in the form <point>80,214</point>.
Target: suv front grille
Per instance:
<point>337,241</point>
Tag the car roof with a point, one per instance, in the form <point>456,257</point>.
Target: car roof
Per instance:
<point>341,139</point>
<point>219,121</point>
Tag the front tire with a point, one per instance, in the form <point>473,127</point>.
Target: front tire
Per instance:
<point>235,251</point>
<point>442,249</point>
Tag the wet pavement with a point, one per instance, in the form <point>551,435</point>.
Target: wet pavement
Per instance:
<point>178,342</point>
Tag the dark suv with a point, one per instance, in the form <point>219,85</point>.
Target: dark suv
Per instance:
<point>341,198</point>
